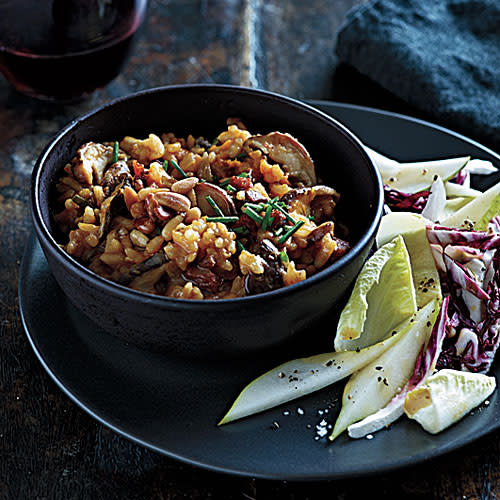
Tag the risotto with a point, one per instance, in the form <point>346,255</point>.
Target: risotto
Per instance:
<point>193,219</point>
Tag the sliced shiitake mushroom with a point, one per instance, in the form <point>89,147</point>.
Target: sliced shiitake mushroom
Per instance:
<point>114,175</point>
<point>203,278</point>
<point>318,200</point>
<point>110,206</point>
<point>80,201</point>
<point>318,233</point>
<point>148,281</point>
<point>156,260</point>
<point>342,247</point>
<point>272,277</point>
<point>288,152</point>
<point>90,162</point>
<point>307,194</point>
<point>218,195</point>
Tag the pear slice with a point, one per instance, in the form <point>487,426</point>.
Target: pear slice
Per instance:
<point>454,190</point>
<point>387,167</point>
<point>383,297</point>
<point>416,177</point>
<point>299,377</point>
<point>446,397</point>
<point>452,205</point>
<point>372,387</point>
<point>478,213</point>
<point>412,227</point>
<point>391,168</point>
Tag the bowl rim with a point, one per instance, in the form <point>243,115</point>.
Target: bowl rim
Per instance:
<point>122,291</point>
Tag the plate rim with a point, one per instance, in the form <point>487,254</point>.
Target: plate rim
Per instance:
<point>410,461</point>
<point>402,116</point>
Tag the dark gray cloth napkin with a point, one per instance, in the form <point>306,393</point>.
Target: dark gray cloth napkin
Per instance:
<point>441,56</point>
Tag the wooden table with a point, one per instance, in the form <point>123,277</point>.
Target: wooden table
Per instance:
<point>49,448</point>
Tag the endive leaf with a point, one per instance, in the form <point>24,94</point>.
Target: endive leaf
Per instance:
<point>424,367</point>
<point>434,207</point>
<point>372,387</point>
<point>412,227</point>
<point>383,297</point>
<point>446,397</point>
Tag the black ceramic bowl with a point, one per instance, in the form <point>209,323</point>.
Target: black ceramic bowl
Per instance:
<point>224,327</point>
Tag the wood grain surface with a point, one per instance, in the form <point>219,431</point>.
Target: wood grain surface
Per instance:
<point>49,448</point>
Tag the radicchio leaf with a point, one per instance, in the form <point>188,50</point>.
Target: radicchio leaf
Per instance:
<point>463,177</point>
<point>494,224</point>
<point>407,202</point>
<point>484,240</point>
<point>461,277</point>
<point>468,262</point>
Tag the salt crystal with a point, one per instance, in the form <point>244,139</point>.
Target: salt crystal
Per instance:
<point>322,432</point>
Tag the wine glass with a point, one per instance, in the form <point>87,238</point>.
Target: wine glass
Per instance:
<point>62,50</point>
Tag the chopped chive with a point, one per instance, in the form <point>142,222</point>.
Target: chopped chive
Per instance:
<point>178,168</point>
<point>292,230</point>
<point>225,219</point>
<point>240,230</point>
<point>241,156</point>
<point>115,152</point>
<point>284,257</point>
<point>267,216</point>
<point>214,205</point>
<point>240,246</point>
<point>231,189</point>
<point>165,165</point>
<point>243,174</point>
<point>284,212</point>
<point>256,206</point>
<point>252,214</point>
<point>278,231</point>
<point>311,217</point>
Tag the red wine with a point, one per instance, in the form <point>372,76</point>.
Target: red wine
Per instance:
<point>64,49</point>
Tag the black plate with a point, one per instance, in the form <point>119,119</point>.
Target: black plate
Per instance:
<point>173,405</point>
